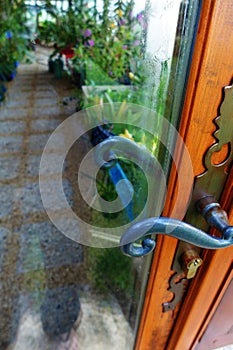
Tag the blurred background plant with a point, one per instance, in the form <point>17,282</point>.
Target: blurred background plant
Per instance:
<point>14,39</point>
<point>110,37</point>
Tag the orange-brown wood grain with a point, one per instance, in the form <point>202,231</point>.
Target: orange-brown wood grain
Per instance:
<point>211,70</point>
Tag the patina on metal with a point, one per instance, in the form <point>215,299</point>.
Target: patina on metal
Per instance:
<point>173,228</point>
<point>178,286</point>
<point>212,180</point>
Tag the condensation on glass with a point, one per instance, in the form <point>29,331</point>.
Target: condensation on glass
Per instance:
<point>54,290</point>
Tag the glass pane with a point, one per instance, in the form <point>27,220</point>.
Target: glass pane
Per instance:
<point>89,71</point>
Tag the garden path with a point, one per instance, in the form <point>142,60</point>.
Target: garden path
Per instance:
<point>33,109</point>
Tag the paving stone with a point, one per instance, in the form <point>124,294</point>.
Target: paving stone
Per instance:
<point>45,77</point>
<point>33,164</point>
<point>51,163</point>
<point>43,86</point>
<point>11,127</point>
<point>18,103</point>
<point>9,168</point>
<point>46,111</point>
<point>10,144</point>
<point>38,142</point>
<point>26,88</point>
<point>4,232</point>
<point>45,102</point>
<point>28,198</point>
<point>45,94</point>
<point>25,74</point>
<point>13,113</point>
<point>30,255</point>
<point>55,199</point>
<point>17,94</point>
<point>24,82</point>
<point>49,245</point>
<point>22,87</point>
<point>6,200</point>
<point>44,124</point>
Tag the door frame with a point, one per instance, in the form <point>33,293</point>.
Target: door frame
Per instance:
<point>211,70</point>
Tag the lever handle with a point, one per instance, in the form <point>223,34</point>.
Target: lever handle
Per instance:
<point>180,230</point>
<point>208,207</point>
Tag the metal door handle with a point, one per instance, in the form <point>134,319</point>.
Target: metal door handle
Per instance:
<point>134,241</point>
<point>210,210</point>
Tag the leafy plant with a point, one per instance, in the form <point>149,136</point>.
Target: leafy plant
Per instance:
<point>111,270</point>
<point>13,37</point>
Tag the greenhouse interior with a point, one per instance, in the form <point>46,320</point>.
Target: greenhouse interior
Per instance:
<point>90,95</point>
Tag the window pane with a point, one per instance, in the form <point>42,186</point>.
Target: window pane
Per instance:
<point>121,67</point>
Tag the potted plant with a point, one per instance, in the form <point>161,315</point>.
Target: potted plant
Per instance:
<point>13,39</point>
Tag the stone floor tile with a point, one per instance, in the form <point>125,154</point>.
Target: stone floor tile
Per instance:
<point>11,127</point>
<point>14,113</point>
<point>51,164</point>
<point>42,88</point>
<point>30,255</point>
<point>17,94</point>
<point>44,124</point>
<point>28,198</point>
<point>55,199</point>
<point>33,164</point>
<point>4,232</point>
<point>41,102</point>
<point>6,200</point>
<point>45,94</point>
<point>18,103</point>
<point>9,168</point>
<point>57,249</point>
<point>10,144</point>
<point>38,142</point>
<point>46,111</point>
<point>24,86</point>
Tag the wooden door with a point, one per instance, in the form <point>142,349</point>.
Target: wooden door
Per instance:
<point>211,70</point>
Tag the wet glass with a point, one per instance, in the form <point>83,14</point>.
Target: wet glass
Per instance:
<point>64,283</point>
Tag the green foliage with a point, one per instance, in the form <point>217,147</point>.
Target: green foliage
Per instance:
<point>13,37</point>
<point>48,32</point>
<point>111,41</point>
<point>96,76</point>
<point>129,94</point>
<point>134,174</point>
<point>110,269</point>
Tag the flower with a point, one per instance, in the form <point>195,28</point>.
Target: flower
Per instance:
<point>131,76</point>
<point>91,42</point>
<point>124,47</point>
<point>112,25</point>
<point>136,43</point>
<point>87,33</point>
<point>122,22</point>
<point>120,13</point>
<point>140,18</point>
<point>9,34</point>
<point>110,73</point>
<point>127,135</point>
